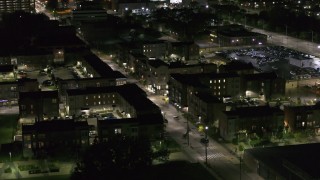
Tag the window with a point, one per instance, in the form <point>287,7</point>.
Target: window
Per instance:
<point>224,80</point>
<point>86,97</point>
<point>54,100</point>
<point>210,81</point>
<point>99,96</point>
<point>134,129</point>
<point>23,107</point>
<point>27,137</point>
<point>94,97</point>
<point>117,131</point>
<point>219,80</point>
<point>298,117</point>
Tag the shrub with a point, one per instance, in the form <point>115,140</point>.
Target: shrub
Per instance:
<point>8,170</point>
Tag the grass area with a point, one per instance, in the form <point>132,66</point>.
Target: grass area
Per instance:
<point>8,124</point>
<point>177,170</point>
<point>172,145</point>
<point>60,177</point>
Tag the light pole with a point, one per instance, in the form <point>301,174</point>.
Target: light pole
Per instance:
<point>240,167</point>
<point>206,144</point>
<point>241,160</point>
<point>188,131</point>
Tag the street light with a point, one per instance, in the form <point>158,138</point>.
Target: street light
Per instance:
<point>240,167</point>
<point>188,138</point>
<point>206,143</point>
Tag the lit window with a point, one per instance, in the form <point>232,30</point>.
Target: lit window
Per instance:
<point>117,131</point>
<point>219,80</point>
<point>113,101</point>
<point>219,87</point>
<point>99,96</point>
<point>214,81</point>
<point>210,81</point>
<point>86,97</point>
<point>224,80</point>
<point>99,102</point>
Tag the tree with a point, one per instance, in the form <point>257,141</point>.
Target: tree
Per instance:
<point>65,3</point>
<point>52,4</point>
<point>118,157</point>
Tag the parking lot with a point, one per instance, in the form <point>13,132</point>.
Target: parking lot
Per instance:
<point>275,58</point>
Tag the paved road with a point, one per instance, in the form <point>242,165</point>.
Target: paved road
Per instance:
<point>222,162</point>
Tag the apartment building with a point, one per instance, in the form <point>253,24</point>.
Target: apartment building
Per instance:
<point>9,6</point>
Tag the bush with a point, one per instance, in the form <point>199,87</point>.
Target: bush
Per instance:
<point>8,170</point>
<point>235,141</point>
<point>241,148</point>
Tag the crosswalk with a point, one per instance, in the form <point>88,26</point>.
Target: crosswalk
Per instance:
<point>213,156</point>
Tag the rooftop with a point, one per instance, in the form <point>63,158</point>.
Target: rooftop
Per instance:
<point>304,158</point>
<point>253,111</point>
<point>38,94</point>
<point>55,126</point>
<point>207,97</point>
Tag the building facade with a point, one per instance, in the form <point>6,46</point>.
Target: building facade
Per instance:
<point>55,137</point>
<point>244,122</point>
<point>9,6</point>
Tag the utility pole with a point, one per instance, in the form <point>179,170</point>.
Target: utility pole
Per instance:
<point>188,139</point>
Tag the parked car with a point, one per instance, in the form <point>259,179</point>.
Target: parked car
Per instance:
<point>47,83</point>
